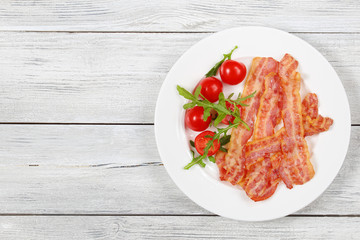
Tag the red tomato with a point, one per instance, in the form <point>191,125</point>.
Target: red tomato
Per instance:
<point>211,87</point>
<point>201,140</point>
<point>232,72</point>
<point>230,118</point>
<point>194,119</point>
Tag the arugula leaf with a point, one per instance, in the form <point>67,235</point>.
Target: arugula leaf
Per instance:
<point>218,107</point>
<point>222,99</point>
<point>185,93</point>
<point>223,149</point>
<point>240,99</point>
<point>197,160</point>
<point>209,144</point>
<point>211,159</point>
<point>197,91</point>
<point>221,110</point>
<point>225,140</point>
<point>219,118</point>
<point>189,105</point>
<point>206,113</point>
<point>214,70</point>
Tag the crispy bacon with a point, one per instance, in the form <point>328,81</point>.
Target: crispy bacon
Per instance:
<point>310,106</point>
<point>257,148</point>
<point>233,168</point>
<point>269,111</point>
<point>313,124</point>
<point>312,121</point>
<point>263,178</point>
<point>296,167</point>
<point>220,162</point>
<point>258,166</point>
<point>272,144</point>
<point>317,125</point>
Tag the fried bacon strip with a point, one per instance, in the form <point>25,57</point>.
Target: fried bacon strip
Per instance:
<point>263,177</point>
<point>269,112</point>
<point>258,166</point>
<point>312,122</point>
<point>317,125</point>
<point>309,106</point>
<point>258,148</point>
<point>296,167</point>
<point>232,168</point>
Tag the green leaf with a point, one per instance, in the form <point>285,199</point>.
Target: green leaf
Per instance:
<point>225,140</point>
<point>223,149</point>
<point>197,160</point>
<point>229,54</point>
<point>213,71</point>
<point>219,118</point>
<point>247,97</point>
<point>242,104</point>
<point>202,164</point>
<point>211,159</point>
<point>197,92</point>
<point>239,120</point>
<point>192,144</point>
<point>230,96</point>
<point>206,113</point>
<point>185,93</point>
<point>222,99</point>
<point>221,110</point>
<point>189,105</point>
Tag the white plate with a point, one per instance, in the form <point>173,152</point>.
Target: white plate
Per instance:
<point>201,185</point>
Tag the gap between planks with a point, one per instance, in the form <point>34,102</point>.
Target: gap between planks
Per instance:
<point>160,32</point>
<point>64,123</point>
<point>97,124</point>
<point>161,215</point>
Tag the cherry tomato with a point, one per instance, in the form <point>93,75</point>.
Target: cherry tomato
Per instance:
<point>232,72</point>
<point>202,139</point>
<point>194,119</point>
<point>230,118</point>
<point>211,87</point>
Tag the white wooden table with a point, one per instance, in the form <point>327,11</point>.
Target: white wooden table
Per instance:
<point>79,82</point>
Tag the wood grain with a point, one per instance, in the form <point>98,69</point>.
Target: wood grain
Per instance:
<point>192,16</point>
<point>115,78</point>
<point>116,170</point>
<point>159,227</point>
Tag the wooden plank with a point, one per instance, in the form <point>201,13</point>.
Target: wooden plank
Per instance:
<point>116,170</point>
<point>175,227</point>
<point>77,145</point>
<point>162,15</point>
<point>63,77</point>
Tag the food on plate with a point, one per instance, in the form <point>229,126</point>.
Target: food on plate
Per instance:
<point>194,119</point>
<point>213,71</point>
<point>295,168</point>
<point>201,141</point>
<point>233,168</point>
<point>229,118</point>
<point>232,72</point>
<point>268,123</point>
<point>211,87</point>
